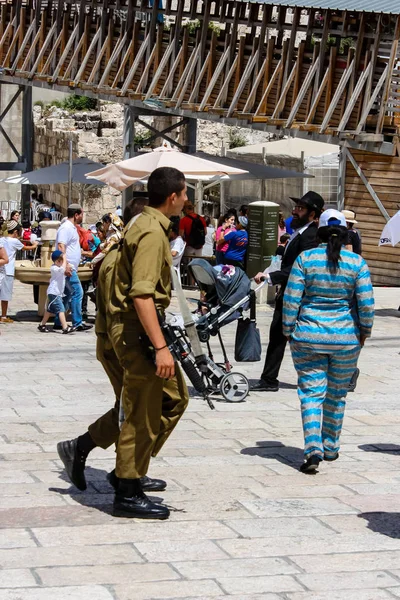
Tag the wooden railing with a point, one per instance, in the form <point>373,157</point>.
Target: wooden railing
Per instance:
<point>334,74</point>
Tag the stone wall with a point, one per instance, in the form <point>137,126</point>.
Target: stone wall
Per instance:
<point>98,135</point>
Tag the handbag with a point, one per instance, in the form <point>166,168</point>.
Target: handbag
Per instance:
<point>248,341</point>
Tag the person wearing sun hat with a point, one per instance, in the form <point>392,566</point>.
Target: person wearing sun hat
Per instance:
<point>11,244</point>
<point>326,333</point>
<point>354,236</point>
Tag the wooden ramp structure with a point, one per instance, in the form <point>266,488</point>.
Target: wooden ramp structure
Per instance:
<point>329,74</point>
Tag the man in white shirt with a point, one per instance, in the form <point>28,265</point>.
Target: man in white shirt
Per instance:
<point>67,241</point>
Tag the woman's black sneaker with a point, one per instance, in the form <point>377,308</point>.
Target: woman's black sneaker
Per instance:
<point>311,464</point>
<point>331,458</point>
<point>43,329</point>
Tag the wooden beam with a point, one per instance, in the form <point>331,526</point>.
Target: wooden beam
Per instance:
<point>114,56</point>
<point>190,63</point>
<point>243,82</point>
<point>281,102</point>
<point>292,40</point>
<point>224,88</point>
<point>331,78</point>
<point>327,77</point>
<point>372,100</point>
<point>337,95</point>
<point>65,54</point>
<point>253,92</point>
<point>52,52</point>
<point>160,70</point>
<point>374,195</point>
<point>322,50</point>
<point>85,60</point>
<point>353,99</point>
<point>22,47</point>
<point>263,101</point>
<point>143,78</point>
<point>215,77</point>
<point>303,90</point>
<point>196,87</point>
<point>136,63</point>
<point>98,60</point>
<point>386,91</point>
<point>32,48</point>
<point>189,75</point>
<point>169,81</point>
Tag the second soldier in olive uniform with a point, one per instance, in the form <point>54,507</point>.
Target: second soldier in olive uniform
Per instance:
<point>105,431</point>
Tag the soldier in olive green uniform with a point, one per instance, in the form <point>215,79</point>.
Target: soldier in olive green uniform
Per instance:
<point>142,285</point>
<point>105,431</point>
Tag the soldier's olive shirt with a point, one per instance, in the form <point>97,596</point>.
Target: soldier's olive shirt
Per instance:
<point>143,266</point>
<point>104,283</point>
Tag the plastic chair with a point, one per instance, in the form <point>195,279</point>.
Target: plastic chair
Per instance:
<point>56,216</point>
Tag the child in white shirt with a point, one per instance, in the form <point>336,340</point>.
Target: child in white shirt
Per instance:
<point>55,293</point>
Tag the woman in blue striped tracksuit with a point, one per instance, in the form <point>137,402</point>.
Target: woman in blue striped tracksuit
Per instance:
<point>328,311</point>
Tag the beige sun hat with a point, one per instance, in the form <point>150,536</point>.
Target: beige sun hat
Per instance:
<point>350,216</point>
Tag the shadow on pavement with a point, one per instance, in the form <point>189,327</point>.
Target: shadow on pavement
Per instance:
<point>282,385</point>
<point>273,450</point>
<point>385,523</point>
<point>387,312</point>
<point>383,448</point>
<point>27,316</point>
<point>99,493</point>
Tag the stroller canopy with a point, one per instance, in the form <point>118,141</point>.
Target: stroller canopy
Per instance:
<point>227,288</point>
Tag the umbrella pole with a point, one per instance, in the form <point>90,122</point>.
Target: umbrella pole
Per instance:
<point>70,174</point>
<point>199,197</point>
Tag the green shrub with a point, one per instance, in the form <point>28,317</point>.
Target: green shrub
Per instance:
<point>236,139</point>
<point>74,103</point>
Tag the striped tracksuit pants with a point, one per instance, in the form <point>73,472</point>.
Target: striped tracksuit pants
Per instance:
<point>324,375</point>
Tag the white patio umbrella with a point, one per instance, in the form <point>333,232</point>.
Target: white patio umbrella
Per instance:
<point>124,173</point>
<point>391,231</point>
<point>59,174</point>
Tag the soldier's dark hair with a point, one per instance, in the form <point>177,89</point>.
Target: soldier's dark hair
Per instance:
<point>73,210</point>
<point>334,236</point>
<point>162,183</point>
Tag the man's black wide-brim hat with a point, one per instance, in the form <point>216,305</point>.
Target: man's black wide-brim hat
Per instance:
<point>311,200</point>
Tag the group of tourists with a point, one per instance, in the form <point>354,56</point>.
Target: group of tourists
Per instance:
<point>324,309</point>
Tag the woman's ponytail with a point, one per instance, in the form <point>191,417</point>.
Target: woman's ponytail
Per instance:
<point>334,236</point>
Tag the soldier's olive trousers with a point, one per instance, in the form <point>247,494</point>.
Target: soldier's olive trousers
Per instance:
<point>105,431</point>
<point>152,406</point>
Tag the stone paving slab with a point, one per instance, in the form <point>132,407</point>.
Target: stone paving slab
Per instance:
<point>244,524</point>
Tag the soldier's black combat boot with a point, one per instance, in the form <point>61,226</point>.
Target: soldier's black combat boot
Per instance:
<point>131,502</point>
<point>148,483</point>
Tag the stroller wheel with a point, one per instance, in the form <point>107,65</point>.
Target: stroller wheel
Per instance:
<point>234,387</point>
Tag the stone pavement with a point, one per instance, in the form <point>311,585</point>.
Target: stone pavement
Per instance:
<point>244,522</point>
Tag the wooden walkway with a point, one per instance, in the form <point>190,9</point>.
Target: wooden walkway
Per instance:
<point>333,74</point>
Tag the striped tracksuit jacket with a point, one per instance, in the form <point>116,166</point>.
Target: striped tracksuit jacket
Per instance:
<point>324,314</point>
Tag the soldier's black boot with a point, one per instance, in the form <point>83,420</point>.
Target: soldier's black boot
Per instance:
<point>131,502</point>
<point>148,483</point>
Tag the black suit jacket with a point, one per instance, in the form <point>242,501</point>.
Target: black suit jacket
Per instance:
<point>303,241</point>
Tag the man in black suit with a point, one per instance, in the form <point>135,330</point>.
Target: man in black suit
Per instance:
<point>306,211</point>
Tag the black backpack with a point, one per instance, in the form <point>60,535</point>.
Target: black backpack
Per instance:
<point>197,235</point>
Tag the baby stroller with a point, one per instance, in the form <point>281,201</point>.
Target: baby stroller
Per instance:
<point>225,293</point>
